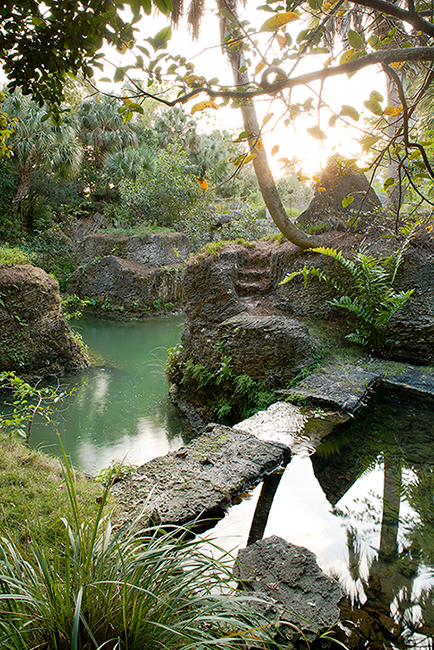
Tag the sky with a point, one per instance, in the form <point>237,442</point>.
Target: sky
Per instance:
<point>293,140</point>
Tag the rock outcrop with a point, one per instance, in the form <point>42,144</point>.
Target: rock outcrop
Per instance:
<point>198,482</point>
<point>340,181</point>
<point>412,327</point>
<point>137,288</point>
<point>289,575</point>
<point>238,312</point>
<point>35,338</point>
<point>229,315</point>
<point>130,275</point>
<point>151,250</point>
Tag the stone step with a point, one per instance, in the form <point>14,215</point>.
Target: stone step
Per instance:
<point>251,288</point>
<point>251,274</point>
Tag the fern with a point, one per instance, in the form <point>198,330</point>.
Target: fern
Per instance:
<point>373,300</point>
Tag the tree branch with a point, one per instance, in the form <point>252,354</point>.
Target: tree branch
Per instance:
<point>395,55</point>
<point>410,17</point>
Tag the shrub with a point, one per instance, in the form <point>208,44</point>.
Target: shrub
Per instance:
<point>11,256</point>
<point>169,196</point>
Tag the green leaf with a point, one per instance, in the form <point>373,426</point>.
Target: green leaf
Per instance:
<point>144,50</point>
<point>135,6</point>
<point>373,106</point>
<point>160,40</point>
<point>333,120</point>
<point>316,133</point>
<point>349,111</point>
<point>347,200</point>
<point>389,181</point>
<point>355,40</point>
<point>376,96</point>
<point>147,6</point>
<point>390,36</point>
<point>105,80</point>
<point>119,74</point>
<point>277,21</point>
<point>374,41</point>
<point>165,6</point>
<point>227,14</point>
<point>368,141</point>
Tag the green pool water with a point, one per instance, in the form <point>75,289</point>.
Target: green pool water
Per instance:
<point>121,408</point>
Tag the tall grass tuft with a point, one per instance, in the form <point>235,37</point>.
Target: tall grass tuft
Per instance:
<point>98,587</point>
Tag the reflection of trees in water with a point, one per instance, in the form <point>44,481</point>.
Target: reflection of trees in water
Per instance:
<point>391,611</point>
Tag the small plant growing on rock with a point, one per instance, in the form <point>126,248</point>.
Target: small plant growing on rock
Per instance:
<point>10,256</point>
<point>373,300</point>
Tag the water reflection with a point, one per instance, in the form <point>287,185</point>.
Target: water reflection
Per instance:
<point>121,409</point>
<point>364,504</point>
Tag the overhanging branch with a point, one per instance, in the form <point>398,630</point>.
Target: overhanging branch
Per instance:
<point>396,55</point>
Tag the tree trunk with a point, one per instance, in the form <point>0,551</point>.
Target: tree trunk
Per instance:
<point>262,169</point>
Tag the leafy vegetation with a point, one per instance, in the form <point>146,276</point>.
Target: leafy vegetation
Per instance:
<point>373,300</point>
<point>229,397</point>
<point>33,494</point>
<point>10,256</point>
<point>124,588</point>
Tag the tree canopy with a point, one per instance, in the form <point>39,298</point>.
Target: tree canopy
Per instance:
<point>41,42</point>
<point>300,43</point>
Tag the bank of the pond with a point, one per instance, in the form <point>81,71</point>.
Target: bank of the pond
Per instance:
<point>34,496</point>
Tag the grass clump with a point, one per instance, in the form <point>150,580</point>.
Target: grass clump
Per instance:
<point>121,589</point>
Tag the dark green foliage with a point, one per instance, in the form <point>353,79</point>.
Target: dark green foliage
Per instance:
<point>372,300</point>
<point>228,396</point>
<point>9,256</point>
<point>54,253</point>
<point>8,187</point>
<point>40,44</point>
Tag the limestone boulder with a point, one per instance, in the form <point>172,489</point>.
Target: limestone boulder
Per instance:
<point>413,326</point>
<point>270,348</point>
<point>196,483</point>
<point>127,283</point>
<point>337,182</point>
<point>152,250</point>
<point>210,287</point>
<point>289,575</point>
<point>35,338</point>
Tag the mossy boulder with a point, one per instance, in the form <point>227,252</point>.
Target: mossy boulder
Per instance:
<point>35,338</point>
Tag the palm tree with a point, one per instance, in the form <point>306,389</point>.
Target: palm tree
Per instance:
<point>38,145</point>
<point>102,131</point>
<point>128,163</point>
